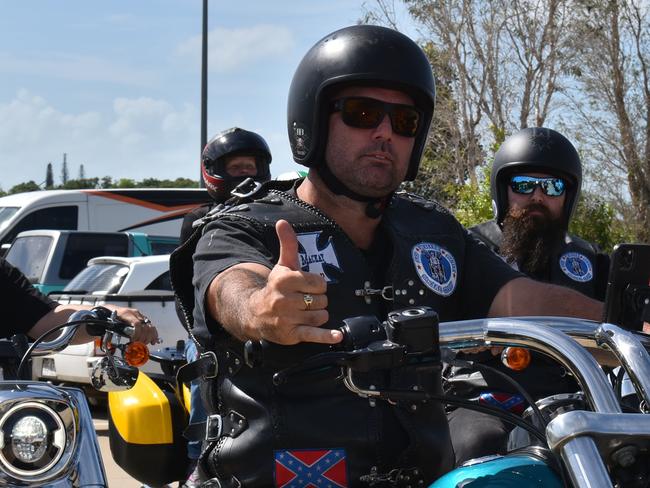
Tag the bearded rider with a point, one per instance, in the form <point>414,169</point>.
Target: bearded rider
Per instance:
<point>289,263</point>
<point>535,184</point>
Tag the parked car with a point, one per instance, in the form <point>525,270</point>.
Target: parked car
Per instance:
<point>138,282</point>
<point>51,258</point>
<point>156,211</point>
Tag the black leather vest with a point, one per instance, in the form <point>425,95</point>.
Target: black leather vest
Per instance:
<point>576,263</point>
<point>316,411</point>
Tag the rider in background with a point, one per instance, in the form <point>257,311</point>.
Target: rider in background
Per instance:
<point>227,160</point>
<point>288,264</point>
<point>535,184</point>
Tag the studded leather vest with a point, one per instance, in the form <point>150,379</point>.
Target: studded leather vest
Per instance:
<point>315,412</point>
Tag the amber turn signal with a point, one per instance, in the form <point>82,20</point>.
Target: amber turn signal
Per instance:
<point>516,358</point>
<point>136,354</point>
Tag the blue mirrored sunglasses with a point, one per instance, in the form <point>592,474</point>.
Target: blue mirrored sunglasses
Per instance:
<point>525,185</point>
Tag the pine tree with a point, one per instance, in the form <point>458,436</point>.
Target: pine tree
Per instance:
<point>64,170</point>
<point>49,176</point>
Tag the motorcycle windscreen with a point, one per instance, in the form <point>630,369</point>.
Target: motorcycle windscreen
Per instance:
<point>145,433</point>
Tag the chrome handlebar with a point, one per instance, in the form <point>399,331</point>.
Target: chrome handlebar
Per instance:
<point>588,442</point>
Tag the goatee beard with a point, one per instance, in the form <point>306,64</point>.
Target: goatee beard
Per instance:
<point>529,240</point>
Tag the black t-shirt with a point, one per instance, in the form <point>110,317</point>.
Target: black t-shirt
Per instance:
<point>227,242</point>
<point>24,304</point>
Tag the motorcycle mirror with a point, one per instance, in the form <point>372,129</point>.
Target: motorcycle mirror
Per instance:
<point>113,374</point>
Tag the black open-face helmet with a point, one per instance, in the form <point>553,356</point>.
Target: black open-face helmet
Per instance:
<point>358,55</point>
<point>535,150</point>
<point>226,144</point>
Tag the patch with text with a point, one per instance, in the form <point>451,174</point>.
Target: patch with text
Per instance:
<point>436,267</point>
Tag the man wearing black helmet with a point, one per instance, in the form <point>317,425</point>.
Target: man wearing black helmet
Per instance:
<point>338,244</point>
<point>535,184</point>
<point>229,158</point>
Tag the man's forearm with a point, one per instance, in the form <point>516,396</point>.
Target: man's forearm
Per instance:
<point>229,297</point>
<point>524,296</point>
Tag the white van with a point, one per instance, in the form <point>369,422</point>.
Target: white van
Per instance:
<point>154,211</point>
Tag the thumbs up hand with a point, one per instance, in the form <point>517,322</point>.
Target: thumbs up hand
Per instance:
<point>293,304</point>
<point>288,246</point>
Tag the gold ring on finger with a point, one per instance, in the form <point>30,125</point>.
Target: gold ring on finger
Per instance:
<point>308,299</point>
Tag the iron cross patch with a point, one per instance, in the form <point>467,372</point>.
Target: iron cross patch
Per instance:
<point>314,254</point>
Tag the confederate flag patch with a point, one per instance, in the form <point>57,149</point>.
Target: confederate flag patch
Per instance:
<point>311,468</point>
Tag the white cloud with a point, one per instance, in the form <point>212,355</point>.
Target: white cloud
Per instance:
<point>231,49</point>
<point>135,138</point>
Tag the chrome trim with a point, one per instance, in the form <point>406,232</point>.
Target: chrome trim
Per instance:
<point>82,459</point>
<point>57,344</point>
<point>611,431</point>
<point>63,435</point>
<point>62,340</point>
<point>547,335</point>
<point>584,464</point>
<point>588,442</point>
<point>629,350</point>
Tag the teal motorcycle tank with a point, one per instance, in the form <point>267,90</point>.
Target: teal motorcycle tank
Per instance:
<point>511,471</point>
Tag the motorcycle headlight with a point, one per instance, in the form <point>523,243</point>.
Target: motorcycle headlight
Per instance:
<point>32,439</point>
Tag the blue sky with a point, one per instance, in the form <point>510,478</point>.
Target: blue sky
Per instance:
<point>116,85</point>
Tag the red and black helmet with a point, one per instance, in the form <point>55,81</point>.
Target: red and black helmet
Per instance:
<point>224,145</point>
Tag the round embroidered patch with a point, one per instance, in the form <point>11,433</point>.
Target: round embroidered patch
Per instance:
<point>577,266</point>
<point>436,267</point>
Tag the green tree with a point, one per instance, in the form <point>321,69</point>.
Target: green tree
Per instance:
<point>49,177</point>
<point>126,183</point>
<point>474,202</point>
<point>24,187</point>
<point>106,182</point>
<point>81,184</point>
<point>185,183</point>
<point>595,221</point>
<point>150,183</point>
<point>64,169</point>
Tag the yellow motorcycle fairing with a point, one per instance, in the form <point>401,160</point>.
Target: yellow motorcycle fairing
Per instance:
<point>146,424</point>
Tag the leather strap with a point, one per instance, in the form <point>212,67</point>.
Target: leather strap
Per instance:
<point>216,426</point>
<point>205,367</point>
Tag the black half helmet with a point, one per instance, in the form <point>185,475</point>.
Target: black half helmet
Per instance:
<point>357,55</point>
<point>535,149</point>
<point>232,142</point>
